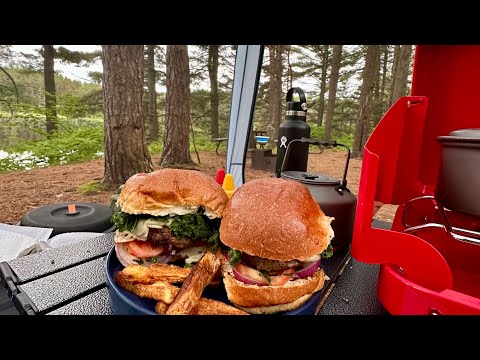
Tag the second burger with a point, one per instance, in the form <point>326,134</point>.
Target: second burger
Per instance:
<point>276,234</point>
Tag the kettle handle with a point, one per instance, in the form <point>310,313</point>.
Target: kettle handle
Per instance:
<point>299,91</point>
<point>318,142</point>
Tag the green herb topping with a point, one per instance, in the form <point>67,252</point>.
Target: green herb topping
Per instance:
<point>327,252</point>
<point>233,257</point>
<point>124,221</point>
<point>193,226</point>
<point>266,276</point>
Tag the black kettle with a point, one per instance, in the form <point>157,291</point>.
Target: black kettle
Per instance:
<point>332,194</point>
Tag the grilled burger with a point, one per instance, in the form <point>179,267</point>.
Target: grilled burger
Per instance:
<point>168,216</point>
<point>275,235</point>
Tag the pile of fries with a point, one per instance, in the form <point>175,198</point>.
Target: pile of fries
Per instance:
<point>156,282</point>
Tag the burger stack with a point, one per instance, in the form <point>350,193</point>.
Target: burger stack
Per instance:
<point>271,234</point>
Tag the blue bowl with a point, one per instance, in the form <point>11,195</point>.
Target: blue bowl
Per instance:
<point>262,139</point>
<point>124,302</point>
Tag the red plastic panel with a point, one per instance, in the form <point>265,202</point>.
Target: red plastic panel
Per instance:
<point>449,75</point>
<point>397,142</point>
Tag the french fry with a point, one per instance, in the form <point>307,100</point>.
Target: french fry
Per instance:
<point>161,308</point>
<point>156,272</point>
<point>160,291</point>
<point>191,291</point>
<point>143,281</point>
<point>214,307</point>
<point>205,307</point>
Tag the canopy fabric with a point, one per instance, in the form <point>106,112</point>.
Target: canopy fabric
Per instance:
<point>248,65</point>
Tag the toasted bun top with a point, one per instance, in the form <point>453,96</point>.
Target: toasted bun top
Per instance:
<point>276,219</point>
<point>172,191</point>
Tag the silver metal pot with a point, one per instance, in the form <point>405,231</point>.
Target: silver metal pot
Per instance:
<point>458,186</point>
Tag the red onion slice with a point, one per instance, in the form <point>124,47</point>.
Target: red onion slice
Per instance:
<point>124,256</point>
<point>308,270</point>
<point>164,259</point>
<point>247,280</point>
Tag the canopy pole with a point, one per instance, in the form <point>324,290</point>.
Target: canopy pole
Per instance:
<point>248,65</point>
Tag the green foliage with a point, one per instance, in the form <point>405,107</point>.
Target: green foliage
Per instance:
<point>76,57</point>
<point>31,92</point>
<point>316,132</point>
<point>90,187</point>
<point>155,147</point>
<point>74,145</point>
<point>71,106</point>
<point>96,76</point>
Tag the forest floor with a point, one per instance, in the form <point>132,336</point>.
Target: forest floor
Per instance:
<point>21,191</point>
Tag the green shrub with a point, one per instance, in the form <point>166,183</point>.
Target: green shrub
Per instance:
<point>74,145</point>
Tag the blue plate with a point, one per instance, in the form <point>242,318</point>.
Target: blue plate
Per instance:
<point>124,302</point>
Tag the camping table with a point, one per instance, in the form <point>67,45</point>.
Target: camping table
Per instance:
<point>218,141</point>
<point>70,281</point>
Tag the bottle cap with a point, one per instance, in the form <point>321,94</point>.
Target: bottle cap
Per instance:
<point>228,185</point>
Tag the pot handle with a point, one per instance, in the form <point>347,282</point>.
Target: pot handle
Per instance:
<point>319,142</point>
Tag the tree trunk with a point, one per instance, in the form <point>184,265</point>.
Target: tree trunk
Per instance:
<point>365,103</point>
<point>152,117</point>
<point>126,151</point>
<point>377,105</point>
<point>275,91</point>
<point>176,150</point>
<point>213,74</point>
<point>50,91</point>
<point>400,75</point>
<point>288,49</point>
<point>321,105</point>
<point>394,71</point>
<point>384,78</point>
<point>332,90</point>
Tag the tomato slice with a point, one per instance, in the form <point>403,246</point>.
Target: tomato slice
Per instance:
<point>279,280</point>
<point>144,249</point>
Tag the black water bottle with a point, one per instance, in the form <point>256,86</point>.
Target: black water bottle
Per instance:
<point>294,127</point>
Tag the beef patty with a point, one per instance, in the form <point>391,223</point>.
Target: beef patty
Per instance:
<point>164,237</point>
<point>267,264</point>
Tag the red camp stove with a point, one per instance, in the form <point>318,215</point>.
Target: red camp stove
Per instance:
<point>430,258</point>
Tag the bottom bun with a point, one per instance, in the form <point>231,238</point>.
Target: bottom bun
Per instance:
<point>276,308</point>
<point>271,299</point>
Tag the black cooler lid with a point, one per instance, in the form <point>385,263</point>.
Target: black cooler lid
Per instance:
<point>89,217</point>
<point>310,178</point>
